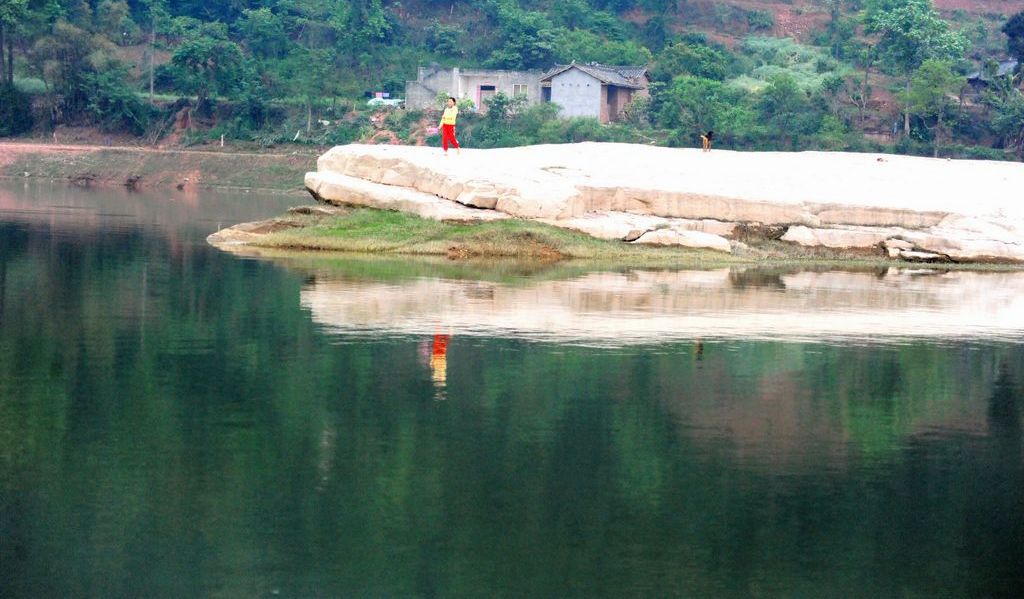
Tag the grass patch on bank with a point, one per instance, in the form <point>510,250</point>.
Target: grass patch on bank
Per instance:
<point>516,247</point>
<point>383,232</point>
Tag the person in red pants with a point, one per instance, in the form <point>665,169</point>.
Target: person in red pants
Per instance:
<point>451,113</point>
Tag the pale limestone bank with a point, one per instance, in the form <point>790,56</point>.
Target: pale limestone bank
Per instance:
<point>904,207</point>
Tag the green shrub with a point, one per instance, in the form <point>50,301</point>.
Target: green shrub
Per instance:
<point>115,106</point>
<point>760,20</point>
<point>773,57</point>
<point>30,85</point>
<point>976,153</point>
<point>573,130</point>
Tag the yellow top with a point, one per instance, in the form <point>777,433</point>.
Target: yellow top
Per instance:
<point>450,113</point>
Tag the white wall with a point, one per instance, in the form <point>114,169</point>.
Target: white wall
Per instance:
<point>577,93</point>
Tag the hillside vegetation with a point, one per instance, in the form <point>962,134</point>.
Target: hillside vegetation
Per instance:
<point>885,75</point>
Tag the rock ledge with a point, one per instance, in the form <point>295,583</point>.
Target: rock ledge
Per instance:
<point>902,207</point>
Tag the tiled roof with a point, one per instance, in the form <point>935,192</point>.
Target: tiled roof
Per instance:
<point>621,76</point>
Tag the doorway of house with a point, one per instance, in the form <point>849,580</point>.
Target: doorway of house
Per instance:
<point>613,103</point>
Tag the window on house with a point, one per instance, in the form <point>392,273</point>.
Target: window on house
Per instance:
<point>519,89</point>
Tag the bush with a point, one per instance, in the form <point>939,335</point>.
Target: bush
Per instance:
<point>115,106</point>
<point>912,147</point>
<point>15,111</point>
<point>697,60</point>
<point>772,57</point>
<point>573,130</point>
<point>832,133</point>
<point>976,153</point>
<point>32,86</point>
<point>637,112</point>
<point>760,20</point>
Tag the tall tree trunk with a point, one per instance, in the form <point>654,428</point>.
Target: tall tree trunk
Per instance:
<point>152,50</point>
<point>3,288</point>
<point>938,134</point>
<point>864,94</point>
<point>309,113</point>
<point>10,59</point>
<point>3,67</point>
<point>906,112</point>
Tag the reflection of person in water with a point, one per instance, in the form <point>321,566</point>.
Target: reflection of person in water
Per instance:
<point>698,349</point>
<point>439,361</point>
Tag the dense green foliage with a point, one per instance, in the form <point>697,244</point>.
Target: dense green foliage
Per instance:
<point>298,70</point>
<point>1014,30</point>
<point>15,111</point>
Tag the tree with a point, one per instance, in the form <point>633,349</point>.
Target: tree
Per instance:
<point>911,32</point>
<point>832,132</point>
<point>1014,30</point>
<point>528,40</point>
<point>15,111</point>
<point>263,32</point>
<point>64,58</point>
<point>112,19</point>
<point>572,14</point>
<point>308,77</point>
<point>583,46</point>
<point>691,104</point>
<point>1008,118</point>
<point>208,63</point>
<point>929,98</point>
<point>693,59</point>
<point>369,22</point>
<point>445,39</point>
<point>12,12</point>
<point>840,32</point>
<point>785,111</point>
<point>115,106</point>
<point>158,16</point>
<point>656,32</point>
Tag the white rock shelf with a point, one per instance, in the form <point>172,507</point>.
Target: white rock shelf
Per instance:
<point>917,209</point>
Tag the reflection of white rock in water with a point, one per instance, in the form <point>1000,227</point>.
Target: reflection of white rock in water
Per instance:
<point>663,306</point>
<point>956,209</point>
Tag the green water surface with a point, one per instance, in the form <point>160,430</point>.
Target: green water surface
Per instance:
<point>173,423</point>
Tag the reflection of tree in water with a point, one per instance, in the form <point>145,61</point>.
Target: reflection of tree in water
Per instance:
<point>744,278</point>
<point>1004,408</point>
<point>994,523</point>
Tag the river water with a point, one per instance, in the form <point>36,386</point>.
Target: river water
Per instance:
<point>179,421</point>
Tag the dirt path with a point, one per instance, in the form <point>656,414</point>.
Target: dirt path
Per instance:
<point>156,167</point>
<point>12,148</point>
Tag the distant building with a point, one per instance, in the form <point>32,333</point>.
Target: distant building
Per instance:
<point>474,84</point>
<point>589,90</point>
<point>980,79</point>
<point>594,90</point>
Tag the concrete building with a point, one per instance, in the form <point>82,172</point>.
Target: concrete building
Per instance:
<point>475,84</point>
<point>594,90</point>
